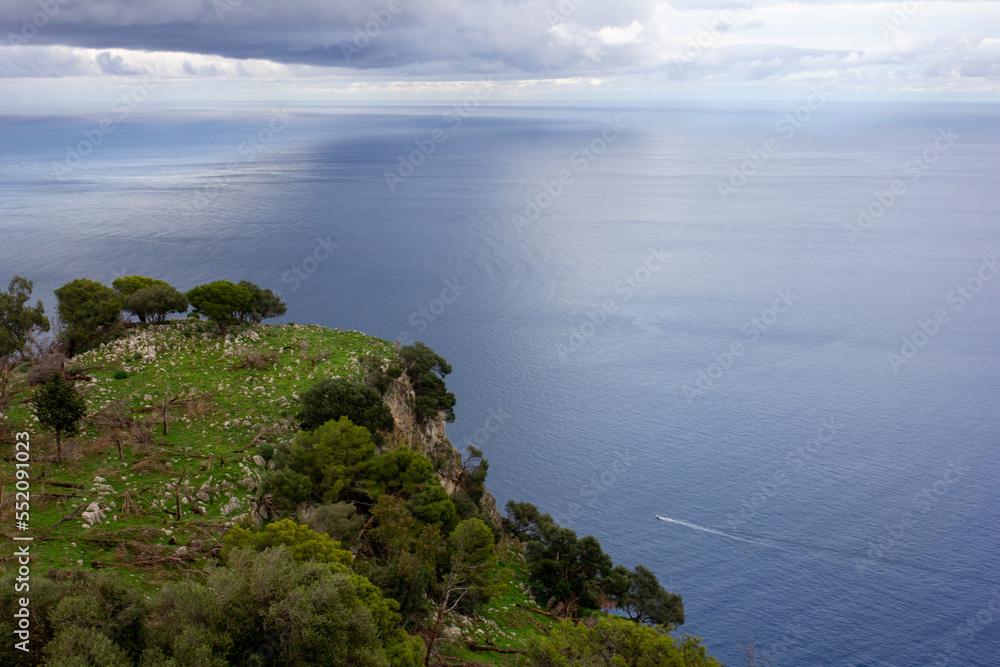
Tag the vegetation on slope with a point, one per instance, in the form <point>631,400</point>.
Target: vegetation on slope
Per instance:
<point>191,522</point>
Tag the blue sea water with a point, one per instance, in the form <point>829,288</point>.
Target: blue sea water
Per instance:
<point>637,345</point>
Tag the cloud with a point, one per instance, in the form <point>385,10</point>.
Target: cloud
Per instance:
<point>114,65</point>
<point>710,41</point>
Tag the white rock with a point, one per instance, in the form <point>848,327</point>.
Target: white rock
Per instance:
<point>93,514</point>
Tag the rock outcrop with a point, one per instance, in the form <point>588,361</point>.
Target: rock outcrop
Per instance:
<point>430,439</point>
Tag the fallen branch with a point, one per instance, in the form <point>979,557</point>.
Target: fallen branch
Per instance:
<point>70,516</point>
<point>538,611</point>
<point>64,484</point>
<point>252,442</point>
<point>475,647</point>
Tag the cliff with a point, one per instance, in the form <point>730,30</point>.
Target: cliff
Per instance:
<point>431,440</point>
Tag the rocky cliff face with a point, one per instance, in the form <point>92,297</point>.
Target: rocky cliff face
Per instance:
<point>429,439</point>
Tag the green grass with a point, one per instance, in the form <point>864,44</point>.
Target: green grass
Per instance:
<point>501,623</point>
<point>182,358</point>
<point>185,358</point>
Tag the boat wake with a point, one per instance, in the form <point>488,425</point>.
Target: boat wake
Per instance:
<point>704,529</point>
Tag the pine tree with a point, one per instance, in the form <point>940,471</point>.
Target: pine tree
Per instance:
<point>59,407</point>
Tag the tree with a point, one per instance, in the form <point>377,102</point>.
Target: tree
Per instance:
<point>333,398</point>
<point>472,564</point>
<point>406,556</point>
<point>221,301</point>
<point>568,572</point>
<point>426,370</point>
<point>303,543</point>
<point>99,612</point>
<point>523,519</point>
<point>320,463</point>
<point>615,641</point>
<point>18,323</point>
<point>341,520</point>
<point>85,647</point>
<point>46,593</point>
<point>411,475</point>
<point>86,307</point>
<point>638,593</point>
<point>264,304</point>
<point>129,285</point>
<point>153,304</point>
<point>266,608</point>
<point>59,408</point>
<point>474,471</point>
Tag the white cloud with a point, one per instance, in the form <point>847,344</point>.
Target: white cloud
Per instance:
<point>867,44</point>
<point>620,35</point>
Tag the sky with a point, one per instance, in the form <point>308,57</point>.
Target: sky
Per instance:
<point>63,53</point>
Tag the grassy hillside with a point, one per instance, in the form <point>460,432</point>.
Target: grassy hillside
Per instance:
<point>226,402</point>
<point>218,410</point>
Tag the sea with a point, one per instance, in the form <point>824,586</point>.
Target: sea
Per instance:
<point>773,326</point>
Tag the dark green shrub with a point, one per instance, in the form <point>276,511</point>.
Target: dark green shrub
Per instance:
<point>332,399</point>
<point>121,375</point>
<point>426,370</point>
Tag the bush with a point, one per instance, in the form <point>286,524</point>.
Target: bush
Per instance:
<point>333,398</point>
<point>340,521</point>
<point>318,464</point>
<point>380,373</point>
<point>84,647</point>
<point>303,543</point>
<point>408,473</point>
<point>426,370</point>
<point>121,375</point>
<point>615,641</point>
<point>49,364</point>
<point>267,609</point>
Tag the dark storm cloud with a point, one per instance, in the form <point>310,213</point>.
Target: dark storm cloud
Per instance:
<point>444,35</point>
